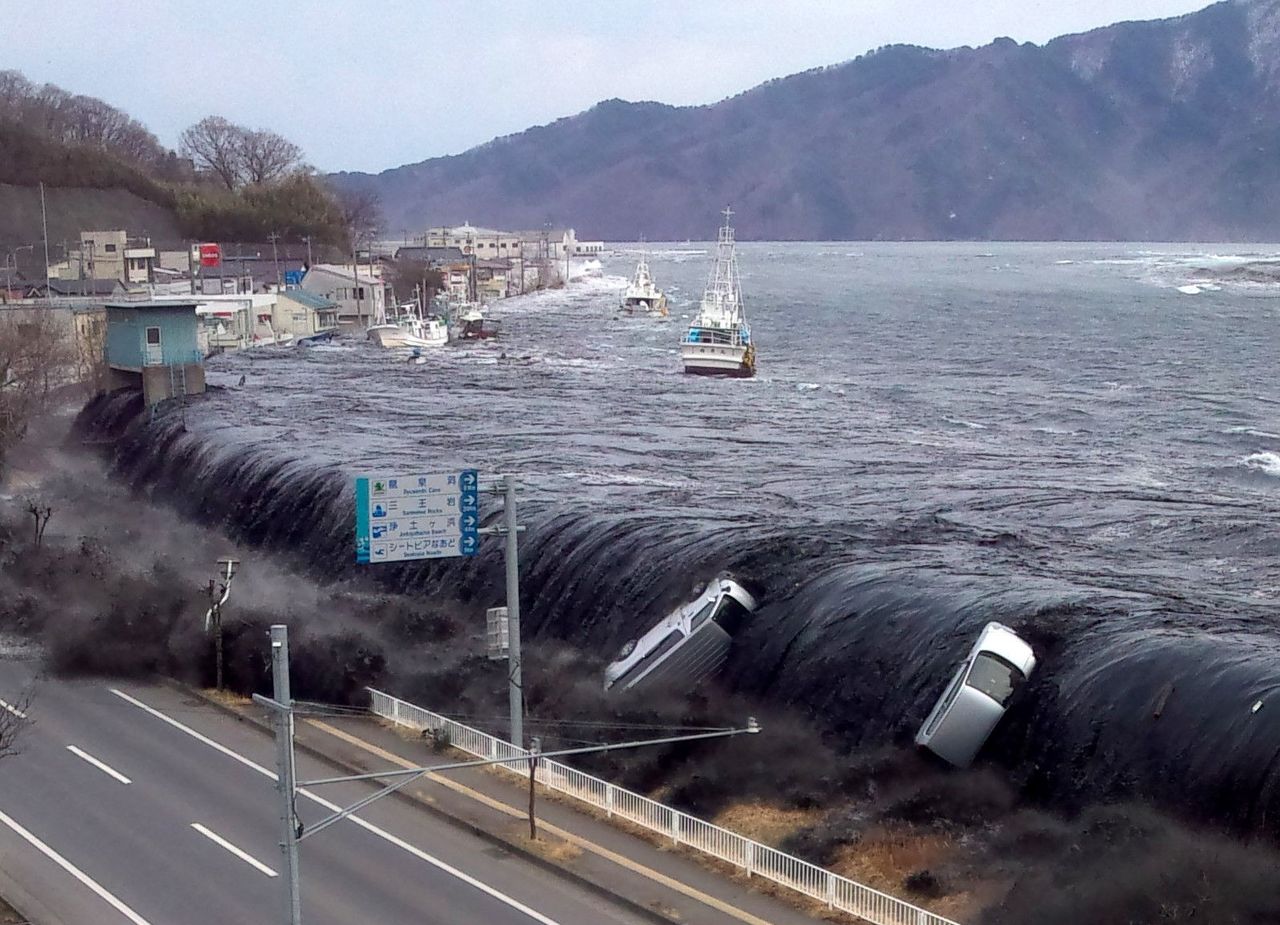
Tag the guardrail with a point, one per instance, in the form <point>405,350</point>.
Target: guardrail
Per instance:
<point>751,857</point>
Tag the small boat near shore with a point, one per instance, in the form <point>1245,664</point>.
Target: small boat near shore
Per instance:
<point>718,342</point>
<point>642,295</point>
<point>470,323</point>
<point>409,329</point>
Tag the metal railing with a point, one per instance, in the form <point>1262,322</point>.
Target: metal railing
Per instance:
<point>751,857</point>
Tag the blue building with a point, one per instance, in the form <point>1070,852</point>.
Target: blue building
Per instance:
<point>153,346</point>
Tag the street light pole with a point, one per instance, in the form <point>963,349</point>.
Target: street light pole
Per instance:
<point>285,781</point>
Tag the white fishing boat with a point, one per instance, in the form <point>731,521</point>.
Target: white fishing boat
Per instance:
<point>718,342</point>
<point>642,295</point>
<point>409,329</point>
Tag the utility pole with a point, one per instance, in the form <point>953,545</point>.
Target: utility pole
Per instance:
<point>515,687</point>
<point>282,710</point>
<point>307,238</point>
<point>213,619</point>
<point>44,222</point>
<point>355,276</point>
<point>510,528</point>
<point>275,257</point>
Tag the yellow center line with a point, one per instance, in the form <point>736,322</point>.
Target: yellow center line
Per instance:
<point>598,850</point>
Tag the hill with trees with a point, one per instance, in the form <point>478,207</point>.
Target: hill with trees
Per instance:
<point>103,169</point>
<point>1160,130</point>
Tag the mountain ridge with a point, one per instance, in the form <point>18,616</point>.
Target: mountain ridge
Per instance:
<point>1142,130</point>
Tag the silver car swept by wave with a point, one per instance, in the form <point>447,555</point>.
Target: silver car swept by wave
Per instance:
<point>979,693</point>
<point>687,645</point>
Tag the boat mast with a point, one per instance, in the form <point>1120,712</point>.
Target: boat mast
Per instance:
<point>723,289</point>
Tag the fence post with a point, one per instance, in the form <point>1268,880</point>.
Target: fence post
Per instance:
<point>395,711</point>
<point>749,859</point>
<point>831,889</point>
<point>608,800</point>
<point>675,827</point>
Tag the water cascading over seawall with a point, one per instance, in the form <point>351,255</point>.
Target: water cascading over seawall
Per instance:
<point>1134,697</point>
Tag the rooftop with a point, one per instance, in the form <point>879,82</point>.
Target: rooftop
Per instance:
<point>309,299</point>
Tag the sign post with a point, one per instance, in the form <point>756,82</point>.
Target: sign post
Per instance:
<point>427,516</point>
<point>437,516</point>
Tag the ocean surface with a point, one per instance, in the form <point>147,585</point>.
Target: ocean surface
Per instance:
<point>1082,441</point>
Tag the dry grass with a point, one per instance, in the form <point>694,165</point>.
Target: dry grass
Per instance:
<point>546,846</point>
<point>227,698</point>
<point>766,824</point>
<point>884,857</point>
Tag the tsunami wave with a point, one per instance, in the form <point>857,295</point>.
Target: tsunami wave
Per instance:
<point>860,628</point>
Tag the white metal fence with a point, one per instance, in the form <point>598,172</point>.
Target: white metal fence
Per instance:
<point>753,858</point>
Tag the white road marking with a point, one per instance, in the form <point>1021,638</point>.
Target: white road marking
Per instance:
<point>242,855</point>
<point>5,705</point>
<point>75,872</point>
<point>333,808</point>
<point>100,765</point>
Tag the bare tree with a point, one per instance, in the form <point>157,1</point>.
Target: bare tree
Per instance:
<point>13,719</point>
<point>266,156</point>
<point>214,144</point>
<point>40,514</point>
<point>361,213</point>
<point>37,356</point>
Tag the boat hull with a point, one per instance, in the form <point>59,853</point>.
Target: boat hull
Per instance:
<point>737,361</point>
<point>645,306</point>
<point>390,336</point>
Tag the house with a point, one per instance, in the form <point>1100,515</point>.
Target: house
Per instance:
<point>114,255</point>
<point>360,294</point>
<point>491,278</point>
<point>153,346</point>
<point>73,288</point>
<point>433,257</point>
<point>236,321</point>
<point>483,242</point>
<point>305,316</point>
<point>558,243</point>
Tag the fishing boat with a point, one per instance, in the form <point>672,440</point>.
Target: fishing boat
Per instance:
<point>642,295</point>
<point>409,329</point>
<point>470,323</point>
<point>718,342</point>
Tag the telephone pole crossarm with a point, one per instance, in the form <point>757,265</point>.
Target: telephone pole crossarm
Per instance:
<point>409,775</point>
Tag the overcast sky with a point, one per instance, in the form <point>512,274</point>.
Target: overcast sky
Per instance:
<point>375,84</point>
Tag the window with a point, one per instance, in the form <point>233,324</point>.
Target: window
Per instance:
<point>153,337</point>
<point>110,248</point>
<point>995,677</point>
<point>701,617</point>
<point>731,615</point>
<point>360,292</point>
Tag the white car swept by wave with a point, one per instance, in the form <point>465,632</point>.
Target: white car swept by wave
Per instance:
<point>979,693</point>
<point>687,645</point>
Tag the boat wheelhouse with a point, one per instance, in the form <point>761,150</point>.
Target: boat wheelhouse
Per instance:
<point>642,295</point>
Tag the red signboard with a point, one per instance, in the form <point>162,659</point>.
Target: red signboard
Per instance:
<point>210,255</point>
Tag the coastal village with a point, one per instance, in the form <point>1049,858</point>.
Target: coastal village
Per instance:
<point>240,296</point>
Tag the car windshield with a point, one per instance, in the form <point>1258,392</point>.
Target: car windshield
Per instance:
<point>995,677</point>
<point>731,614</point>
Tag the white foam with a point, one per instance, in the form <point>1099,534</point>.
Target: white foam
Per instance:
<point>807,386</point>
<point>1253,432</point>
<point>1268,463</point>
<point>972,425</point>
<point>1190,290</point>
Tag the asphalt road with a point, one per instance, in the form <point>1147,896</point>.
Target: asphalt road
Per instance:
<point>131,804</point>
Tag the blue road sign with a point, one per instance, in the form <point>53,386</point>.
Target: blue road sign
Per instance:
<point>431,516</point>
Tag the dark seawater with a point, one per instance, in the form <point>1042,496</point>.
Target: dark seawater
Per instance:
<point>1054,436</point>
